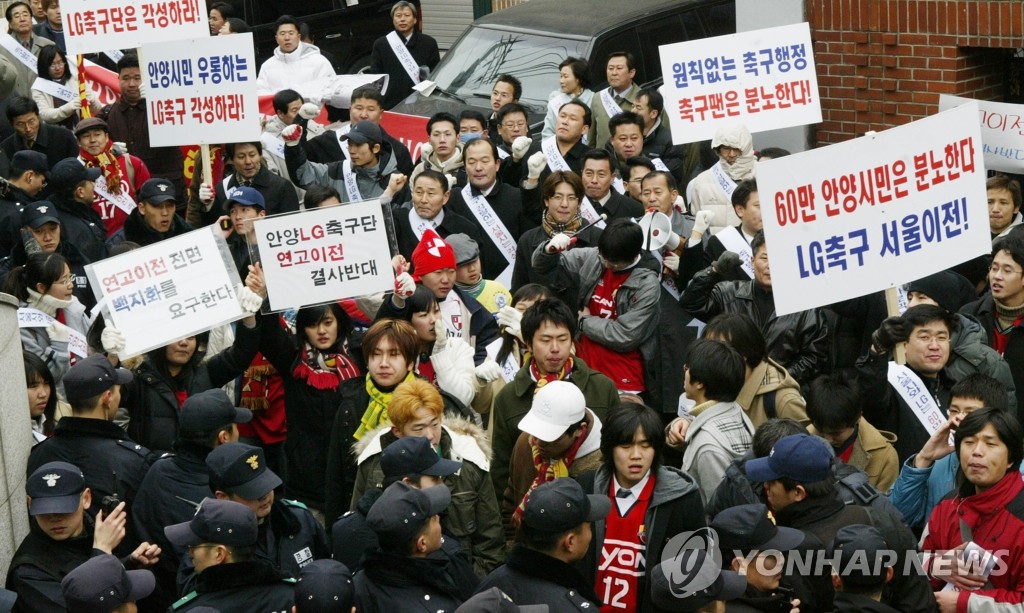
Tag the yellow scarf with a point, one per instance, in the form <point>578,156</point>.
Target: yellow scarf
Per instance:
<point>377,411</point>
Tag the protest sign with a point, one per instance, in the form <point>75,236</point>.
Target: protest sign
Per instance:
<point>34,318</point>
<point>201,91</point>
<point>1002,126</point>
<point>324,255</point>
<point>94,26</point>
<point>410,130</point>
<point>875,212</point>
<point>763,79</point>
<point>169,290</point>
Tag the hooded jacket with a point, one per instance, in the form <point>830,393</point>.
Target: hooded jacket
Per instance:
<point>454,166</point>
<point>704,194</point>
<point>473,516</point>
<point>675,507</point>
<point>717,436</point>
<point>283,70</point>
<point>82,226</point>
<point>873,453</point>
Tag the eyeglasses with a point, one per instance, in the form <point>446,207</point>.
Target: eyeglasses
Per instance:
<point>563,197</point>
<point>1006,270</point>
<point>511,125</point>
<point>67,279</point>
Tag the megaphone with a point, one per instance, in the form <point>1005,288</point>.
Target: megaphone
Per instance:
<point>657,228</point>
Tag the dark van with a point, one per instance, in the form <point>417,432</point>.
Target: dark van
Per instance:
<point>531,39</point>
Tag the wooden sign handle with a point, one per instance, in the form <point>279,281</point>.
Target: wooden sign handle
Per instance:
<point>892,305</point>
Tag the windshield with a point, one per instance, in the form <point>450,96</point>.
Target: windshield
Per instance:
<point>472,66</point>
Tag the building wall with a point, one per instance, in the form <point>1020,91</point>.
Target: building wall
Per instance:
<point>883,63</point>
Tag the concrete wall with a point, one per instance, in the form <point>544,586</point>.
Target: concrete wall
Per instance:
<point>15,437</point>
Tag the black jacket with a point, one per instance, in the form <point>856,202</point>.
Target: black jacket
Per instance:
<point>383,60</point>
<point>170,494</point>
<point>76,261</point>
<point>110,461</point>
<point>56,142</point>
<point>309,413</point>
<point>451,223</point>
<point>325,149</point>
<point>846,602</point>
<point>713,248</point>
<point>658,145</point>
<point>291,537</point>
<point>886,410</point>
<point>531,577</point>
<point>507,203</point>
<point>39,565</point>
<point>984,310</point>
<point>620,206</point>
<point>82,226</point>
<point>390,582</point>
<point>483,329</point>
<point>11,205</point>
<point>136,231</point>
<point>909,591</point>
<point>151,401</point>
<point>340,467</point>
<point>798,341</point>
<point>252,587</point>
<point>278,193</point>
<point>524,271</point>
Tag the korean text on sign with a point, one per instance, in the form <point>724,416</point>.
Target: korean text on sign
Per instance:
<point>92,26</point>
<point>764,79</point>
<point>877,212</point>
<point>1002,126</point>
<point>203,90</point>
<point>169,290</point>
<point>322,255</point>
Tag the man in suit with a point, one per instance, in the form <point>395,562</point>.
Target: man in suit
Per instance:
<point>598,176</point>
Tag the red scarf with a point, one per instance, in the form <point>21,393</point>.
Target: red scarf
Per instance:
<point>543,380</point>
<point>107,162</point>
<point>324,371</point>
<point>548,470</point>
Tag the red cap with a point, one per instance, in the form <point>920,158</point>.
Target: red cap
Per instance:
<point>431,254</point>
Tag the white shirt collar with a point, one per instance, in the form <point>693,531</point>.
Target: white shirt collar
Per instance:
<point>625,503</point>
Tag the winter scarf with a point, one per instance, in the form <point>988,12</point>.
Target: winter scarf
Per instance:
<point>552,227</point>
<point>107,162</point>
<point>46,303</point>
<point>377,411</point>
<point>324,371</point>
<point>548,469</point>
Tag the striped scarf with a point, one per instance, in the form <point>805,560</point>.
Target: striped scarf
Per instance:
<point>324,371</point>
<point>548,469</point>
<point>107,162</point>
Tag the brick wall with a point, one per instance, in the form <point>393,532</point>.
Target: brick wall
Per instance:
<point>883,63</point>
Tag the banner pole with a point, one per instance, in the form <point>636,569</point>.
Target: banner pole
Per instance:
<point>892,305</point>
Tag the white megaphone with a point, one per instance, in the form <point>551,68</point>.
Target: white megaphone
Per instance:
<point>657,229</point>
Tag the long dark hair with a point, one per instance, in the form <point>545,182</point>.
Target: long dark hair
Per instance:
<point>45,268</point>
<point>419,302</point>
<point>157,358</point>
<point>36,372</point>
<point>46,57</point>
<point>312,315</point>
<point>530,291</point>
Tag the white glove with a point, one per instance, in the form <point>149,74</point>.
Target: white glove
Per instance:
<point>291,135</point>
<point>451,181</point>
<point>57,332</point>
<point>536,164</point>
<point>309,110</point>
<point>454,369</point>
<point>143,89</point>
<point>442,336</point>
<point>679,204</point>
<point>672,262</point>
<point>122,147</point>
<point>511,320</point>
<point>488,371</point>
<point>559,242</point>
<point>702,221</point>
<point>425,150</point>
<point>249,300</point>
<point>404,285</point>
<point>74,104</point>
<point>520,146</point>
<point>113,340</point>
<point>206,193</point>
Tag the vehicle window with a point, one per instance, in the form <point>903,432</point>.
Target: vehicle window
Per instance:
<point>469,69</point>
<point>664,31</point>
<point>720,19</point>
<point>624,40</point>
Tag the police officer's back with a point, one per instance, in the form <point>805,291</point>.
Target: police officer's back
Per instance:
<point>112,463</point>
<point>221,540</point>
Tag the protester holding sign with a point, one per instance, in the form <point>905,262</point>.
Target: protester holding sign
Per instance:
<point>44,286</point>
<point>56,90</point>
<point>123,173</point>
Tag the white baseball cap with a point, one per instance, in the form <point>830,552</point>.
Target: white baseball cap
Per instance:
<point>556,406</point>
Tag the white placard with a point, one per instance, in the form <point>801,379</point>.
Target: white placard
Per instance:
<point>172,289</point>
<point>94,26</point>
<point>763,79</point>
<point>323,255</point>
<point>875,212</point>
<point>1002,129</point>
<point>201,91</point>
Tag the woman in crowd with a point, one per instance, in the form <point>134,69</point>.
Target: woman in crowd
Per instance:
<point>511,355</point>
<point>573,83</point>
<point>45,283</point>
<point>56,90</point>
<point>42,398</point>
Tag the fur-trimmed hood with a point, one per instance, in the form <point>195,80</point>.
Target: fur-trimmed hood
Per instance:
<point>468,442</point>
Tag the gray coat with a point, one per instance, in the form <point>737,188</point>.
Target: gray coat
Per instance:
<point>53,353</point>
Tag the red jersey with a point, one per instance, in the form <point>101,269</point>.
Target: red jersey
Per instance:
<point>625,369</point>
<point>622,562</point>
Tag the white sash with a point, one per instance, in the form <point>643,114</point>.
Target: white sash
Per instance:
<point>495,230</point>
<point>55,89</point>
<point>20,53</point>
<point>723,181</point>
<point>659,164</point>
<point>343,142</point>
<point>608,101</point>
<point>510,366</point>
<point>123,202</point>
<point>734,241</point>
<point>404,57</point>
<point>913,392</point>
<point>351,187</point>
<point>273,144</point>
<point>34,318</point>
<point>502,154</point>
<point>420,225</point>
<point>555,160</point>
<point>589,213</point>
<point>667,282</point>
<point>618,184</point>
